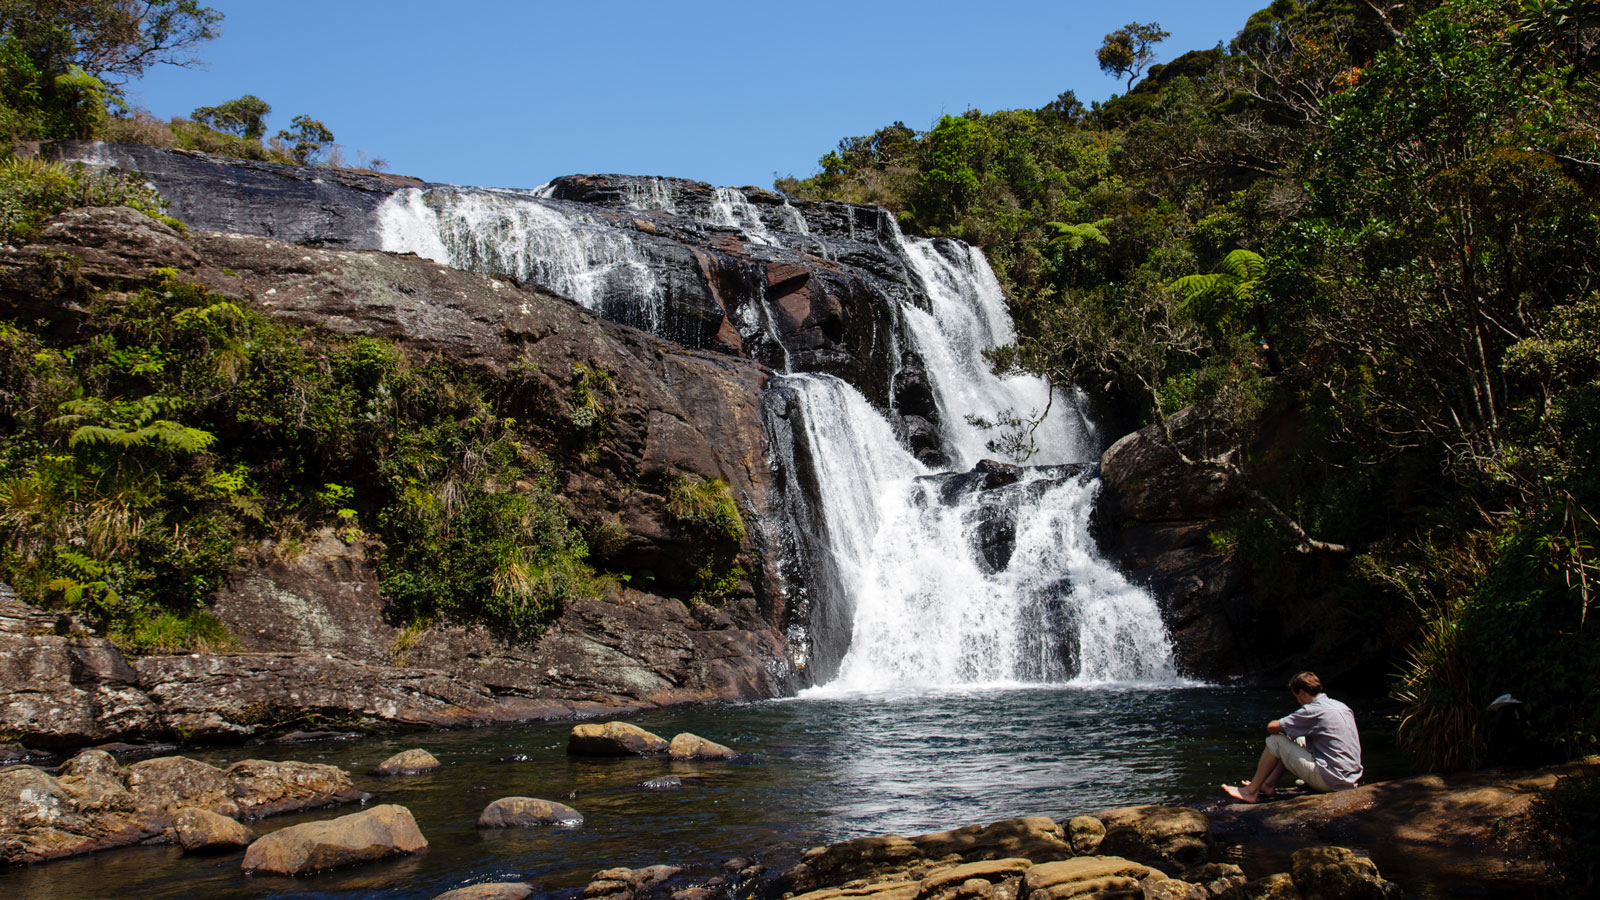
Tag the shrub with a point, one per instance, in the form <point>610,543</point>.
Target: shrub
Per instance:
<point>706,506</point>
<point>32,190</point>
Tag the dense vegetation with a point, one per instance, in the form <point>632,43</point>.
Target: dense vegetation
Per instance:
<point>1364,241</point>
<point>141,450</point>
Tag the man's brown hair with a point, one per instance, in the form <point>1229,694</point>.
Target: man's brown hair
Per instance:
<point>1306,681</point>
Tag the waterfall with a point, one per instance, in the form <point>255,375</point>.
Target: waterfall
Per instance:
<point>967,315</point>
<point>954,579</point>
<point>905,577</point>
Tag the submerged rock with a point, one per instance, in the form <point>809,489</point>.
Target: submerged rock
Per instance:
<point>688,746</point>
<point>664,783</point>
<point>527,812</point>
<point>505,890</point>
<point>627,884</point>
<point>362,837</point>
<point>407,762</point>
<point>613,739</point>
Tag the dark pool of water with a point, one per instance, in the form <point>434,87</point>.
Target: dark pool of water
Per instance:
<point>819,770</point>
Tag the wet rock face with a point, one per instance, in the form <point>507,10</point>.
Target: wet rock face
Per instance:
<point>989,494</point>
<point>301,204</point>
<point>807,286</point>
<point>1158,517</point>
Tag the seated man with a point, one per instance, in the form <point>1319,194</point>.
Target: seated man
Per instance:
<point>1331,757</point>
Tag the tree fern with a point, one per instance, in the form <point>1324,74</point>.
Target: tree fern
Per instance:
<point>1075,236</point>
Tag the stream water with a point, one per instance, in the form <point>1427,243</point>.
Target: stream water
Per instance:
<point>819,769</point>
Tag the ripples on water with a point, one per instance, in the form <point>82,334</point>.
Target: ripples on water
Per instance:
<point>822,769</point>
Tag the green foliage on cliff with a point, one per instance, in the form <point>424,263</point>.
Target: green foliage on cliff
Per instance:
<point>1364,240</point>
<point>141,449</point>
<point>32,191</point>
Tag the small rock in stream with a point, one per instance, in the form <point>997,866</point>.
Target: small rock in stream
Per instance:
<point>664,783</point>
<point>515,758</point>
<point>408,762</point>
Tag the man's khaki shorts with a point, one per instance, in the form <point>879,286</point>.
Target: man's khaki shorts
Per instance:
<point>1299,760</point>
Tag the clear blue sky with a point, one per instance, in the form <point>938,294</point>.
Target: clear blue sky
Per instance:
<point>512,94</point>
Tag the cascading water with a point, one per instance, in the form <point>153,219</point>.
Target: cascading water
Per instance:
<point>958,579</point>
<point>732,209</point>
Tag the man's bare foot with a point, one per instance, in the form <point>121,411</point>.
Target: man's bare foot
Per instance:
<point>1242,794</point>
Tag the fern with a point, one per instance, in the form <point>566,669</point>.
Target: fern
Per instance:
<point>1075,236</point>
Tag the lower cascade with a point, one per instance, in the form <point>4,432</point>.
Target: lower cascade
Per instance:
<point>959,578</point>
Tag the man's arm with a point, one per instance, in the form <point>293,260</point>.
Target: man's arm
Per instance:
<point>1275,726</point>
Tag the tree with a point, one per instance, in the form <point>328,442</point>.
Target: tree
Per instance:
<point>1129,49</point>
<point>309,138</point>
<point>113,40</point>
<point>244,116</point>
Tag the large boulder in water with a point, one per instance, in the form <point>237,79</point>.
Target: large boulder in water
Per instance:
<point>613,739</point>
<point>692,746</point>
<point>362,837</point>
<point>203,831</point>
<point>527,812</point>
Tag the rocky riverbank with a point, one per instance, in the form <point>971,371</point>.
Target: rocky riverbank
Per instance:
<point>1429,833</point>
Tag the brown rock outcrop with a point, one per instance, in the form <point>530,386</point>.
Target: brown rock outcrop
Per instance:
<point>1471,827</point>
<point>1170,838</point>
<point>203,831</point>
<point>312,624</point>
<point>94,804</point>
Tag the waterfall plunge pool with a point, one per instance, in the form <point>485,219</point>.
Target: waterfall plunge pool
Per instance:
<point>821,769</point>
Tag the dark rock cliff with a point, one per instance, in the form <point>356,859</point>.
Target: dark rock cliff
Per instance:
<point>311,622</point>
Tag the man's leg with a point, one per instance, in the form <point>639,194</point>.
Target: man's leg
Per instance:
<point>1298,759</point>
<point>1267,772</point>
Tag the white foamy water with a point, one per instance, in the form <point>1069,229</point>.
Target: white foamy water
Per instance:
<point>519,233</point>
<point>954,587</point>
<point>732,209</point>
